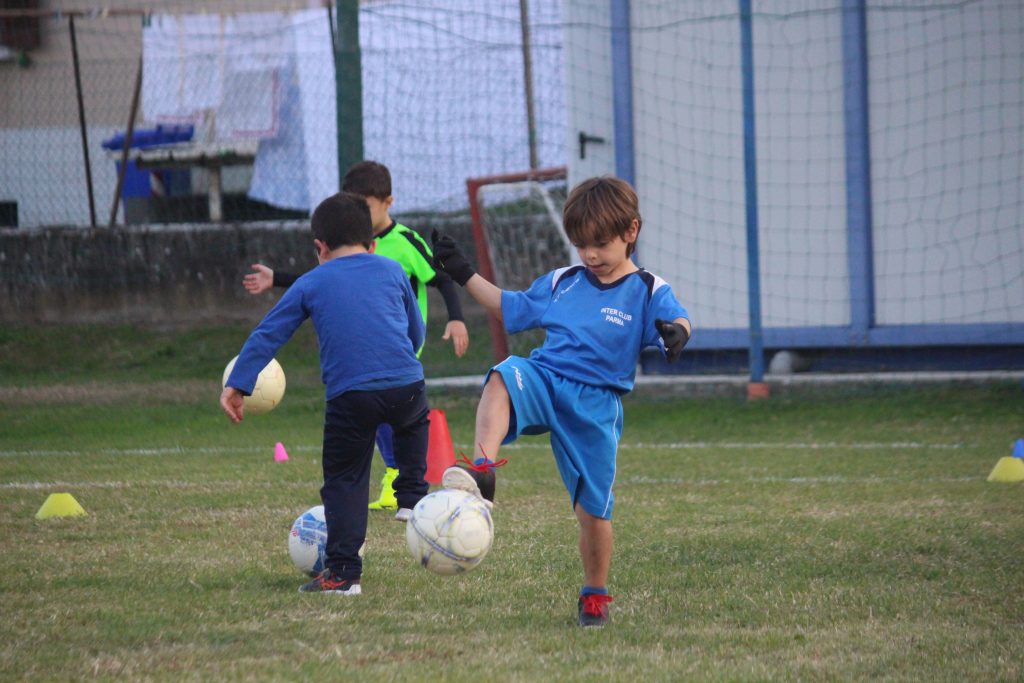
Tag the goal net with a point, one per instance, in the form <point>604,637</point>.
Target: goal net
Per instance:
<point>517,227</point>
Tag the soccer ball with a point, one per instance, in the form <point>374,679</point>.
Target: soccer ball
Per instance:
<point>307,541</point>
<point>269,389</point>
<point>450,531</point>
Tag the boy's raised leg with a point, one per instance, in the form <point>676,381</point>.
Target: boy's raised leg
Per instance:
<point>492,420</point>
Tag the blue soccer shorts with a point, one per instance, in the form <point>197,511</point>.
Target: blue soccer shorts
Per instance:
<point>585,423</point>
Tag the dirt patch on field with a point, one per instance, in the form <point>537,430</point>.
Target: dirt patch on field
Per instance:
<point>105,393</point>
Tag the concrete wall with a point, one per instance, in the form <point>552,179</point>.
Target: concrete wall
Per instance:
<point>154,275</point>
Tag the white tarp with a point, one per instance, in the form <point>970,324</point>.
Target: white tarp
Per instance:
<point>443,95</point>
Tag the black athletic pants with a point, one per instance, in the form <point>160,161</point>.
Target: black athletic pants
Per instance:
<point>350,425</point>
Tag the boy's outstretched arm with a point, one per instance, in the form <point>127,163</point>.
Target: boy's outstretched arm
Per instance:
<point>675,334</point>
<point>450,259</point>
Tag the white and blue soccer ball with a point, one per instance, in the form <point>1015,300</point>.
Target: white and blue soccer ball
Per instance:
<point>450,531</point>
<point>307,541</point>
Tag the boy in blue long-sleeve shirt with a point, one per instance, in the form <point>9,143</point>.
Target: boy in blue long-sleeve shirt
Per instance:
<point>370,372</point>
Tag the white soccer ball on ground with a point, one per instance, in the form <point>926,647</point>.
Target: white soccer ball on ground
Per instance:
<point>269,389</point>
<point>450,531</point>
<point>307,541</point>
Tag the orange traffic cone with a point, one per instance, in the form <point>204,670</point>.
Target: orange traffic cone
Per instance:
<point>440,452</point>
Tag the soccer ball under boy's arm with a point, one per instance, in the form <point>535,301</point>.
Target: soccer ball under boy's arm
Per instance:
<point>449,259</point>
<point>675,337</point>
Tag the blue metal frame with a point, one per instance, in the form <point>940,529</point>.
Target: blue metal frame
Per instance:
<point>750,184</point>
<point>982,334</point>
<point>622,88</point>
<point>860,252</point>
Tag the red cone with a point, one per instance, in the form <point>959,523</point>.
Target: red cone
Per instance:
<point>440,452</point>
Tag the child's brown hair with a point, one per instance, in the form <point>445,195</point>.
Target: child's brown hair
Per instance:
<point>368,178</point>
<point>343,220</point>
<point>600,209</point>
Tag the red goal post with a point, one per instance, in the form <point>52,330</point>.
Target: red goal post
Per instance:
<point>484,246</point>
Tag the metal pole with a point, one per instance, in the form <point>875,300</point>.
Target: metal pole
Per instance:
<point>622,87</point>
<point>81,121</point>
<point>486,269</point>
<point>531,123</point>
<point>215,199</point>
<point>129,132</point>
<point>330,27</point>
<point>757,388</point>
<point>859,227</point>
<point>349,81</point>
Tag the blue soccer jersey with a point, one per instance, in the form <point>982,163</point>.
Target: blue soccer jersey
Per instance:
<point>595,331</point>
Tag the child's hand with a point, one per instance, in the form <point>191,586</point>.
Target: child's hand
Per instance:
<point>457,332</point>
<point>260,281</point>
<point>231,403</point>
<point>675,337</point>
<point>449,259</point>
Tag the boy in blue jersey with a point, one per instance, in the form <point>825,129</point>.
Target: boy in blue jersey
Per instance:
<point>597,316</point>
<point>369,368</point>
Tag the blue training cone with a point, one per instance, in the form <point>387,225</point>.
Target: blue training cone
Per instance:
<point>1018,449</point>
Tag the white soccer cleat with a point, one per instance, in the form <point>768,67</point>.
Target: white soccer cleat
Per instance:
<point>403,514</point>
<point>462,480</point>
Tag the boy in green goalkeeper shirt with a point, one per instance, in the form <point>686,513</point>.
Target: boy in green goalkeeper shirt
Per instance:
<point>372,180</point>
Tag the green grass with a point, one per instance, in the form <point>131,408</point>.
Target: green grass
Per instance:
<point>845,535</point>
<point>32,355</point>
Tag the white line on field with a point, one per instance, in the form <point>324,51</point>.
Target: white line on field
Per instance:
<point>809,378</point>
<point>154,483</point>
<point>170,450</point>
<point>640,480</point>
<point>813,445</point>
<point>678,445</point>
<point>830,479</point>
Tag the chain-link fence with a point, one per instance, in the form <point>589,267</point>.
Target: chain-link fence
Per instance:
<point>233,112</point>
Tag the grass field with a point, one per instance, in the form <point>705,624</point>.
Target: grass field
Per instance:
<point>844,535</point>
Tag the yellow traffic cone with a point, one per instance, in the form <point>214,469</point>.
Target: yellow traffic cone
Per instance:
<point>60,505</point>
<point>1008,469</point>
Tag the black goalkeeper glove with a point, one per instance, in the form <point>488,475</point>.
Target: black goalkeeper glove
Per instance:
<point>448,258</point>
<point>675,337</point>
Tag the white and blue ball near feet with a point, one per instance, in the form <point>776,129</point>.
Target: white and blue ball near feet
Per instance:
<point>450,531</point>
<point>307,541</point>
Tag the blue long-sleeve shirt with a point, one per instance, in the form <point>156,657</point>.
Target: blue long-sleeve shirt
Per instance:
<point>367,321</point>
